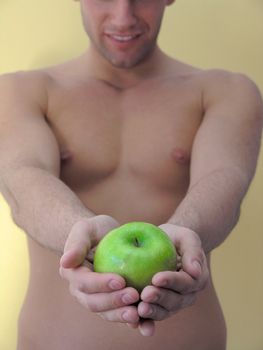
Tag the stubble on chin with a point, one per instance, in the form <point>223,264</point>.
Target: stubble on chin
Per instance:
<point>128,62</point>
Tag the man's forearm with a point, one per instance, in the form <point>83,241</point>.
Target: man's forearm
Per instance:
<point>43,206</point>
<point>211,207</point>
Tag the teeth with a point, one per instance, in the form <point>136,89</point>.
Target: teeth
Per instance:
<point>123,38</point>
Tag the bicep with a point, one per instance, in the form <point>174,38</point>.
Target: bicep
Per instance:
<point>25,137</point>
<point>230,134</point>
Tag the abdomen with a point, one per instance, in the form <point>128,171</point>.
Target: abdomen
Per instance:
<point>52,319</point>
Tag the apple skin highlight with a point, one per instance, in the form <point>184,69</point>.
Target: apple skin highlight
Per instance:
<point>136,251</point>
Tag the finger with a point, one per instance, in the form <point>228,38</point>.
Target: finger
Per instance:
<point>103,224</point>
<point>178,281</point>
<point>126,314</point>
<point>73,258</point>
<point>77,244</point>
<point>92,282</point>
<point>152,311</point>
<point>84,235</point>
<point>193,262</point>
<point>101,302</point>
<point>95,282</point>
<point>133,325</point>
<point>178,262</point>
<point>181,282</point>
<point>147,328</point>
<point>90,255</point>
<point>168,299</point>
<point>189,246</point>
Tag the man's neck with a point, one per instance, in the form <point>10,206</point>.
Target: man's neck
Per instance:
<point>124,78</point>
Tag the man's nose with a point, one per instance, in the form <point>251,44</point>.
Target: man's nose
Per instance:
<point>123,16</point>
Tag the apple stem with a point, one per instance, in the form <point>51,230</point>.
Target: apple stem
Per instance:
<point>137,244</point>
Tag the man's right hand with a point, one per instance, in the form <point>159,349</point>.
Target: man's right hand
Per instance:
<point>101,293</point>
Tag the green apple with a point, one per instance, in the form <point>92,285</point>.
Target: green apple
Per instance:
<point>136,251</point>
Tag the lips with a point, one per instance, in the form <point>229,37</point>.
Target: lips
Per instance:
<point>123,38</point>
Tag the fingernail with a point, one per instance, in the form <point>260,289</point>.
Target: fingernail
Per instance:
<point>149,312</point>
<point>115,285</point>
<point>162,283</point>
<point>126,317</point>
<point>147,332</point>
<point>64,255</point>
<point>197,265</point>
<point>127,299</point>
<point>63,259</point>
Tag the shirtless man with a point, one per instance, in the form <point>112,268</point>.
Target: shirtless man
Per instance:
<point>124,133</point>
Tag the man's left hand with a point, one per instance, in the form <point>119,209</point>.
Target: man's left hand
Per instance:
<point>172,291</point>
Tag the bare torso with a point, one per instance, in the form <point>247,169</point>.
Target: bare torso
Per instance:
<point>125,153</point>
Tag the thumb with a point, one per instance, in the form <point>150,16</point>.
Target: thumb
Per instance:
<point>77,244</point>
<point>192,255</point>
<point>189,247</point>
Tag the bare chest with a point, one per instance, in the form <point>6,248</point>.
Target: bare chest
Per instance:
<point>144,132</point>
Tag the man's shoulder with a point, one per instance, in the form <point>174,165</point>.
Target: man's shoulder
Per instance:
<point>231,91</point>
<point>219,84</point>
<point>25,83</point>
<point>215,84</point>
<point>30,78</point>
<point>223,80</point>
<point>218,79</point>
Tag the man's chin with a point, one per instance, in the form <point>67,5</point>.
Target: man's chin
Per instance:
<point>121,63</point>
<point>128,60</point>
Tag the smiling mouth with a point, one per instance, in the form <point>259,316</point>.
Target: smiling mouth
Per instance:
<point>123,38</point>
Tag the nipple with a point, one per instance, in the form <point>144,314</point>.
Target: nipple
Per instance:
<point>65,155</point>
<point>180,156</point>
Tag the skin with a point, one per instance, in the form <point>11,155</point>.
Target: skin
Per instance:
<point>138,18</point>
<point>183,156</point>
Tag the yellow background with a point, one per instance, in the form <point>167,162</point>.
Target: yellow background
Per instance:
<point>206,33</point>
